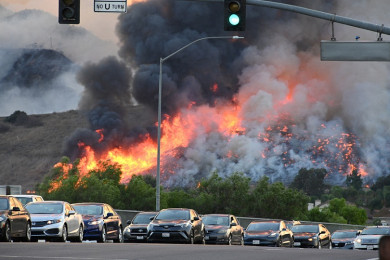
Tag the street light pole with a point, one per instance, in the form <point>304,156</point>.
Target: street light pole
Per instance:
<point>159,108</point>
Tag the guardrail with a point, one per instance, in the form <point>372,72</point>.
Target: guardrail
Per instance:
<point>244,221</point>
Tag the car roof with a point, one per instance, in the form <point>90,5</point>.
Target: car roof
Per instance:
<point>27,195</point>
<point>346,230</point>
<point>48,202</point>
<point>372,227</point>
<point>90,203</point>
<point>175,209</point>
<point>217,215</point>
<point>266,221</point>
<point>147,212</point>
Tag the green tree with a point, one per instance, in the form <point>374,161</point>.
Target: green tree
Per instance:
<point>140,195</point>
<point>311,181</point>
<point>325,215</point>
<point>354,180</point>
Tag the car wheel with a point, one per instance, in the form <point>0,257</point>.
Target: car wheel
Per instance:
<point>7,232</point>
<point>330,244</point>
<point>319,246</point>
<point>64,235</point>
<point>191,238</point>
<point>80,237</point>
<point>291,244</point>
<point>229,242</point>
<point>28,233</point>
<point>279,243</point>
<point>120,236</point>
<point>103,236</point>
<point>242,240</point>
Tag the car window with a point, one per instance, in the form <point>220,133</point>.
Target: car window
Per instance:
<point>344,234</point>
<point>282,225</point>
<point>263,226</point>
<point>173,215</point>
<point>4,204</point>
<point>142,218</point>
<point>305,228</point>
<point>376,231</point>
<point>11,202</point>
<point>89,209</point>
<point>45,208</point>
<point>18,204</point>
<point>24,200</point>
<point>111,210</point>
<point>216,220</point>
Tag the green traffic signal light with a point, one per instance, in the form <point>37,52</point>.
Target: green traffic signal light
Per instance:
<point>234,19</point>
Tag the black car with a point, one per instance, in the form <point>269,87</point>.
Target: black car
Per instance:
<point>222,229</point>
<point>137,228</point>
<point>101,222</point>
<point>15,221</point>
<point>268,233</point>
<point>176,225</point>
<point>344,238</point>
<point>311,235</point>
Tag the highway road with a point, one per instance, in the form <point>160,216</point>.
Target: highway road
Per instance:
<point>95,251</point>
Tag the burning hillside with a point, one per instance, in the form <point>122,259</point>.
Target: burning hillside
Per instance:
<point>263,106</point>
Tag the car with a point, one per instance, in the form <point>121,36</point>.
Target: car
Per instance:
<point>28,198</point>
<point>176,225</point>
<point>268,233</point>
<point>311,235</point>
<point>222,229</point>
<point>344,238</point>
<point>137,227</point>
<point>370,236</point>
<point>55,221</point>
<point>15,220</point>
<point>292,223</point>
<point>101,222</point>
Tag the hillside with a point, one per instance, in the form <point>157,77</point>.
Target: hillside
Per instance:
<point>29,149</point>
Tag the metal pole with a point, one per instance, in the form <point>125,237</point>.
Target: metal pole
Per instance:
<point>159,109</point>
<point>314,13</point>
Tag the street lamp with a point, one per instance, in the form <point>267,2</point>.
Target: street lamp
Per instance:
<point>159,109</point>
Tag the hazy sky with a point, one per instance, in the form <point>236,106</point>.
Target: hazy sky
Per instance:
<point>101,24</point>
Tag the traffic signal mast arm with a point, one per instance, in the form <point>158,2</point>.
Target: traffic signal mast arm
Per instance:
<point>317,14</point>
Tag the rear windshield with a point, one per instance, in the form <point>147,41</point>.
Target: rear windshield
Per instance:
<point>142,218</point>
<point>173,215</point>
<point>263,226</point>
<point>376,231</point>
<point>4,204</point>
<point>89,209</point>
<point>216,220</point>
<point>305,228</point>
<point>44,208</point>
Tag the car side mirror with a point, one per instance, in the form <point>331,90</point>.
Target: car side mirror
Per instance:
<point>128,222</point>
<point>15,209</point>
<point>196,218</point>
<point>322,232</point>
<point>233,224</point>
<point>151,218</point>
<point>109,214</point>
<point>71,212</point>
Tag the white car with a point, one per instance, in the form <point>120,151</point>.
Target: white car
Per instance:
<point>28,198</point>
<point>370,236</point>
<point>55,221</point>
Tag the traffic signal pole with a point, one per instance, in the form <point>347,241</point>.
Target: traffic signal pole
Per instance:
<point>381,29</point>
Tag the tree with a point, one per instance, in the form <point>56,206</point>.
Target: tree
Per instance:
<point>354,180</point>
<point>140,195</point>
<point>311,182</point>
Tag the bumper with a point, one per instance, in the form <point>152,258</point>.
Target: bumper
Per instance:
<point>176,236</point>
<point>260,241</point>
<point>366,247</point>
<point>92,232</point>
<point>305,243</point>
<point>140,237</point>
<point>48,231</point>
<point>216,238</point>
<point>336,245</point>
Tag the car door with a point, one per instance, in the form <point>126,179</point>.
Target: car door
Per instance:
<point>23,216</point>
<point>285,235</point>
<point>13,216</point>
<point>323,236</point>
<point>110,222</point>
<point>196,223</point>
<point>234,229</point>
<point>71,220</point>
<point>115,220</point>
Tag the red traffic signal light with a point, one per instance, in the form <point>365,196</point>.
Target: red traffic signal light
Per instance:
<point>69,11</point>
<point>234,15</point>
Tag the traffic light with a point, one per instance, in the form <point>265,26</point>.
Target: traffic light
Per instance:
<point>234,15</point>
<point>69,11</point>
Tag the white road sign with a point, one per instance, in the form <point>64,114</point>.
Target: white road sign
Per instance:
<point>112,6</point>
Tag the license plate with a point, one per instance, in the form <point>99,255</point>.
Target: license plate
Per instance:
<point>165,234</point>
<point>370,247</point>
<point>140,237</point>
<point>256,242</point>
<point>206,238</point>
<point>297,243</point>
<point>336,244</point>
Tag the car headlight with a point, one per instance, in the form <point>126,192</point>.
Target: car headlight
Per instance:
<point>222,231</point>
<point>95,222</point>
<point>53,221</point>
<point>358,240</point>
<point>184,225</point>
<point>274,234</point>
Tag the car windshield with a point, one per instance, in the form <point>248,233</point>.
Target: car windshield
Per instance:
<point>3,204</point>
<point>44,208</point>
<point>142,218</point>
<point>264,226</point>
<point>173,215</point>
<point>344,234</point>
<point>24,200</point>
<point>376,231</point>
<point>305,228</point>
<point>216,220</point>
<point>89,209</point>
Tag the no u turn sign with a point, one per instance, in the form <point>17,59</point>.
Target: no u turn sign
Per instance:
<point>111,6</point>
